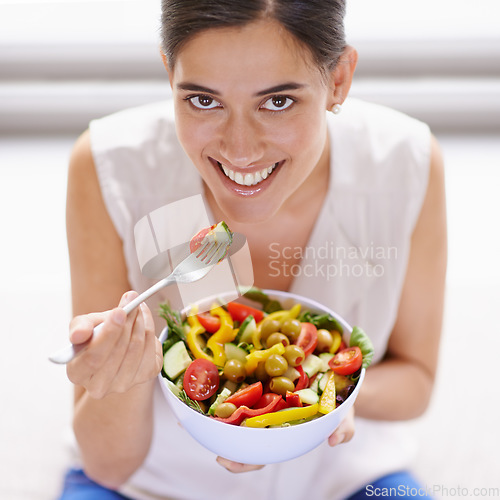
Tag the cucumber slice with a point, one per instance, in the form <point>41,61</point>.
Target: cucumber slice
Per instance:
<point>247,328</point>
<point>308,396</point>
<point>325,357</point>
<point>323,381</point>
<point>312,365</point>
<point>234,352</point>
<point>223,395</point>
<point>176,360</point>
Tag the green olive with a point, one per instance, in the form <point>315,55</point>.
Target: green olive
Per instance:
<point>291,328</point>
<point>294,355</point>
<point>276,365</point>
<point>225,410</point>
<point>276,338</point>
<point>269,326</point>
<point>325,340</point>
<point>234,370</point>
<point>260,372</point>
<point>280,385</point>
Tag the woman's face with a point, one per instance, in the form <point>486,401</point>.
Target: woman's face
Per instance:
<point>250,113</point>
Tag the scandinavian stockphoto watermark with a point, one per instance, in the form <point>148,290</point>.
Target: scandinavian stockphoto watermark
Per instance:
<point>330,260</point>
<point>432,491</point>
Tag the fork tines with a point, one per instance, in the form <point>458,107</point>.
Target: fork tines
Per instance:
<point>212,252</point>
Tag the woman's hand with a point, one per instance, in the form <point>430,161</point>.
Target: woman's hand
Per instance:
<point>343,434</point>
<point>345,431</point>
<point>125,353</point>
<point>236,466</point>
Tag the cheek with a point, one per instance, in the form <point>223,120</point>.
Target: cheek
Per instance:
<point>303,136</point>
<point>188,134</point>
<point>194,134</point>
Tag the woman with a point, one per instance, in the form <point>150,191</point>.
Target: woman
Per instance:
<point>253,83</point>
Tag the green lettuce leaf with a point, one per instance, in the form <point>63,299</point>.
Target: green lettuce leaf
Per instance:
<point>360,338</point>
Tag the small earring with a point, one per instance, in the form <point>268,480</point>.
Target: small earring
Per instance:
<point>336,109</point>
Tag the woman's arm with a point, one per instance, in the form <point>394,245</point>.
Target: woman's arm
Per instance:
<point>114,377</point>
<point>400,386</point>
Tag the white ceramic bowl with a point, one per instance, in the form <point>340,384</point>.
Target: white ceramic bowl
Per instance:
<point>256,445</point>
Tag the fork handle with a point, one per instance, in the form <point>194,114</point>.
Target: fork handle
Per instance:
<point>68,353</point>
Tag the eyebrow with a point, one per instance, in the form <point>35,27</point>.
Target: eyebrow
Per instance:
<point>193,87</point>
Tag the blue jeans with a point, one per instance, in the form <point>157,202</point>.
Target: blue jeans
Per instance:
<point>397,485</point>
<point>77,486</point>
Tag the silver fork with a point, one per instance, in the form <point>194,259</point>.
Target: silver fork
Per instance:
<point>192,268</point>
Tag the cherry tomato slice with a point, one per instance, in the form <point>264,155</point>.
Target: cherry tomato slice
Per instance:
<point>196,240</point>
<point>308,338</point>
<point>209,322</point>
<point>240,311</point>
<point>201,379</point>
<point>247,396</point>
<point>347,361</point>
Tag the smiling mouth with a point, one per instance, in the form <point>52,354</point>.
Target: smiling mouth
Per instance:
<point>248,179</point>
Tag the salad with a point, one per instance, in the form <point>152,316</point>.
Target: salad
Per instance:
<point>262,366</point>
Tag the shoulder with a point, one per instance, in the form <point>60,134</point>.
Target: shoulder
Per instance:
<point>376,146</point>
<point>136,151</point>
<point>134,128</point>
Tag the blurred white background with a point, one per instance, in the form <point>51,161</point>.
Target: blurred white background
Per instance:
<point>65,62</point>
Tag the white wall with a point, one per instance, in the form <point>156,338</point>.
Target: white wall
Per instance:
<point>64,62</point>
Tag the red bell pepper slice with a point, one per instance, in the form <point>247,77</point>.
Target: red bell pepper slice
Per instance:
<point>244,412</point>
<point>303,381</point>
<point>239,312</point>
<point>265,399</point>
<point>293,399</point>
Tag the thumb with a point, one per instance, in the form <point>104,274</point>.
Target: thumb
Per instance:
<point>81,327</point>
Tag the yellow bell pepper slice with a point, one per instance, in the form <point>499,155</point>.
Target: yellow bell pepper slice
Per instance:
<point>327,401</point>
<point>255,357</point>
<point>193,336</point>
<point>285,314</point>
<point>224,334</point>
<point>256,337</point>
<point>337,340</point>
<point>282,416</point>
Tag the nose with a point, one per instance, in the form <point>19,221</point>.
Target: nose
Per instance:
<point>242,141</point>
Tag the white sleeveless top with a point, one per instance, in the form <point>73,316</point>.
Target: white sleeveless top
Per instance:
<point>355,264</point>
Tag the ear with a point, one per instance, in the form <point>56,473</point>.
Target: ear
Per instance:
<point>167,67</point>
<point>341,76</point>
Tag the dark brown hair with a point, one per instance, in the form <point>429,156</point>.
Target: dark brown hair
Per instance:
<point>317,24</point>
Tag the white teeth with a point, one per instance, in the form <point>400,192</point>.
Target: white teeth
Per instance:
<point>250,179</point>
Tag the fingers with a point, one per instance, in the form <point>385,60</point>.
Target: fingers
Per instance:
<point>345,431</point>
<point>237,467</point>
<point>101,359</point>
<point>81,327</point>
<point>123,352</point>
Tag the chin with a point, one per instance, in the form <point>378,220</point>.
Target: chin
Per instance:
<point>247,211</point>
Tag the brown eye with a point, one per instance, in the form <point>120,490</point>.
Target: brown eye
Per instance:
<point>278,103</point>
<point>204,102</point>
